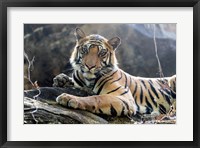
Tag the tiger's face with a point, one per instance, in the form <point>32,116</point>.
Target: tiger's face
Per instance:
<point>94,55</point>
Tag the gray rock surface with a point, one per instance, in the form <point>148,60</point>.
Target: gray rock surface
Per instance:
<point>52,45</point>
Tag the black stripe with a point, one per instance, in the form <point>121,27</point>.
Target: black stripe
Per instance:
<point>135,89</point>
<point>125,80</point>
<point>80,78</point>
<point>174,87</point>
<point>113,111</point>
<point>162,109</point>
<point>122,112</point>
<point>165,96</point>
<point>114,90</point>
<point>78,60</point>
<point>77,57</point>
<point>141,95</point>
<point>105,64</point>
<point>167,99</point>
<point>107,60</point>
<point>106,78</point>
<point>100,111</point>
<point>95,41</point>
<point>170,93</point>
<point>161,83</point>
<point>148,110</point>
<point>138,107</point>
<point>143,83</point>
<point>96,80</point>
<point>130,83</point>
<point>152,98</point>
<point>154,90</point>
<point>125,103</point>
<point>149,107</point>
<point>167,91</point>
<point>90,79</point>
<point>117,79</point>
<point>125,92</point>
<point>150,81</point>
<point>110,58</point>
<point>77,81</point>
<point>173,94</point>
<point>100,89</point>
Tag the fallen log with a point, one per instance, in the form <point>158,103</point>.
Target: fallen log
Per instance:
<point>40,107</point>
<point>39,112</point>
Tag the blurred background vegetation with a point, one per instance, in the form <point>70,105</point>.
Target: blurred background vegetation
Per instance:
<point>51,46</point>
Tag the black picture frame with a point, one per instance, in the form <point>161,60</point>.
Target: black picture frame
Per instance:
<point>4,4</point>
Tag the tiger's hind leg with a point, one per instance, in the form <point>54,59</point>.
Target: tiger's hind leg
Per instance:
<point>172,83</point>
<point>100,104</point>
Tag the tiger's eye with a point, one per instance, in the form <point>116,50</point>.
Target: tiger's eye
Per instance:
<point>92,46</point>
<point>103,52</point>
<point>84,49</point>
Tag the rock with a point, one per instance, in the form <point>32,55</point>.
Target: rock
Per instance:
<point>52,46</point>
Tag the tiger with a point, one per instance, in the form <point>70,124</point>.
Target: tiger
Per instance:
<point>116,93</point>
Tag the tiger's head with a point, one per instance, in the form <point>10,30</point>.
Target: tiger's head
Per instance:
<point>93,54</point>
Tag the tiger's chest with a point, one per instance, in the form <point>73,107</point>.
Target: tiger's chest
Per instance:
<point>89,80</point>
<point>84,81</point>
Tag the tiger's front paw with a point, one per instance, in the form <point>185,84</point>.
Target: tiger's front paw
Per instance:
<point>62,80</point>
<point>67,100</point>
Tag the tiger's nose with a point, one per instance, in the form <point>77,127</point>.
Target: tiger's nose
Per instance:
<point>90,66</point>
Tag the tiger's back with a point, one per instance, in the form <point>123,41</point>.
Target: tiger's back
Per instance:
<point>150,94</point>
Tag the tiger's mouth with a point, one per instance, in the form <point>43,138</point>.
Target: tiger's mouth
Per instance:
<point>92,75</point>
<point>95,72</point>
<point>91,72</point>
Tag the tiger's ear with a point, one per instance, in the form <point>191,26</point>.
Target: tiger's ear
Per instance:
<point>115,42</point>
<point>79,34</point>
